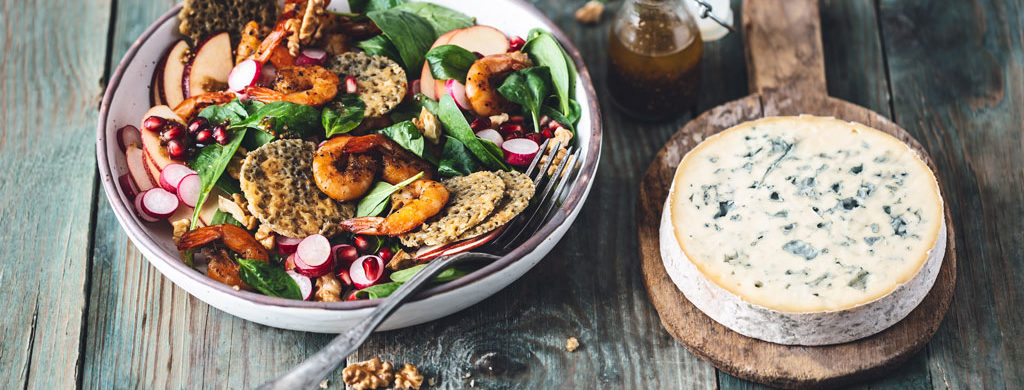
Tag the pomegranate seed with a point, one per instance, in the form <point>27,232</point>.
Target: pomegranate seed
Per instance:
<point>176,149</point>
<point>352,296</point>
<point>154,123</point>
<point>516,43</point>
<point>345,277</point>
<point>220,134</point>
<point>547,133</point>
<point>514,135</point>
<point>345,254</point>
<point>480,123</point>
<point>363,244</point>
<point>509,128</point>
<point>517,119</point>
<point>197,124</point>
<point>203,136</point>
<point>535,137</point>
<point>172,132</point>
<point>350,85</point>
<point>370,267</point>
<point>385,254</point>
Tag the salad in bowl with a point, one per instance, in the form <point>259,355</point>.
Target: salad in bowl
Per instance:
<point>307,152</point>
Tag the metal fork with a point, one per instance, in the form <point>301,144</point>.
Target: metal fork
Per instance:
<point>312,371</point>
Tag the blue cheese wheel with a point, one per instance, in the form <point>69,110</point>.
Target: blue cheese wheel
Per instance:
<point>803,230</point>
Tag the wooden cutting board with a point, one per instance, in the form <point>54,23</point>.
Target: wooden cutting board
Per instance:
<point>787,77</point>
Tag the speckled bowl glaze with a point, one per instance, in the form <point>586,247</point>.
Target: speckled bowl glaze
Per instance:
<point>127,99</point>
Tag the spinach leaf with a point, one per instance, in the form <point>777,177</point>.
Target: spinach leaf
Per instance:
<point>343,115</point>
<point>210,163</point>
<point>283,119</point>
<point>378,290</point>
<point>456,160</point>
<point>220,217</point>
<point>445,276</point>
<point>544,49</point>
<point>404,112</point>
<point>380,46</point>
<point>255,138</point>
<point>450,115</point>
<point>364,6</point>
<point>268,279</point>
<point>229,185</point>
<point>409,137</point>
<point>443,19</point>
<point>375,201</point>
<point>450,62</point>
<point>426,102</point>
<point>233,111</point>
<point>528,88</point>
<point>410,34</point>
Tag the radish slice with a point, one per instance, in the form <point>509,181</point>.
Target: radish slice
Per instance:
<point>414,87</point>
<point>311,56</point>
<point>287,245</point>
<point>267,75</point>
<point>172,175</point>
<point>128,186</point>
<point>244,74</point>
<point>345,254</point>
<point>366,271</point>
<point>289,263</point>
<point>491,135</point>
<point>458,92</point>
<point>313,256</point>
<point>142,213</point>
<point>519,151</point>
<point>129,136</point>
<point>188,189</point>
<point>305,285</point>
<point>135,158</point>
<point>159,203</point>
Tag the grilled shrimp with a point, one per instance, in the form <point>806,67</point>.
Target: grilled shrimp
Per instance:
<point>398,164</point>
<point>190,107</point>
<point>484,78</point>
<point>415,203</point>
<point>343,176</point>
<point>309,85</point>
<point>249,47</point>
<point>220,267</point>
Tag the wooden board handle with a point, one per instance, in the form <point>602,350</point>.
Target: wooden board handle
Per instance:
<point>783,46</point>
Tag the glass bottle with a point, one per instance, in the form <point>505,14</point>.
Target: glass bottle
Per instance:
<point>654,58</point>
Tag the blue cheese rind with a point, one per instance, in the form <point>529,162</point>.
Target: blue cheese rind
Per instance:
<point>803,230</point>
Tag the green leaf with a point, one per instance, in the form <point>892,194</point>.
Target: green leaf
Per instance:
<point>404,112</point>
<point>410,34</point>
<point>456,160</point>
<point>380,46</point>
<point>544,49</point>
<point>228,185</point>
<point>409,137</point>
<point>445,276</point>
<point>210,163</point>
<point>450,115</point>
<point>443,19</point>
<point>284,119</point>
<point>450,62</point>
<point>528,88</point>
<point>378,290</point>
<point>375,201</point>
<point>363,6</point>
<point>254,138</point>
<point>343,115</point>
<point>268,279</point>
<point>426,102</point>
<point>221,217</point>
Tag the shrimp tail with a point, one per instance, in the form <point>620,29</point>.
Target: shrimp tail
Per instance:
<point>373,226</point>
<point>363,144</point>
<point>199,237</point>
<point>262,94</point>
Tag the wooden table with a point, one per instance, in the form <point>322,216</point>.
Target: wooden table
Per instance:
<point>81,307</point>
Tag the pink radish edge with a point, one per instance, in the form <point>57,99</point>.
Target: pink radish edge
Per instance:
<point>159,203</point>
<point>305,284</point>
<point>457,91</point>
<point>491,135</point>
<point>244,74</point>
<point>311,56</point>
<point>520,151</point>
<point>357,271</point>
<point>188,189</point>
<point>287,245</point>
<point>313,256</point>
<point>172,174</point>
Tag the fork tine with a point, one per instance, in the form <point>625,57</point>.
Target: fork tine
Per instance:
<point>546,165</point>
<point>537,158</point>
<point>569,175</point>
<point>545,197</point>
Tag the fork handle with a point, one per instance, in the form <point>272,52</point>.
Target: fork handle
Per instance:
<point>309,373</point>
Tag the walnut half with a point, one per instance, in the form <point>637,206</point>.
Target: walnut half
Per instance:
<point>408,378</point>
<point>371,374</point>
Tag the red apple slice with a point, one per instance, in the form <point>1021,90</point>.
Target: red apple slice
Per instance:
<point>151,168</point>
<point>209,69</point>
<point>135,158</point>
<point>151,140</point>
<point>155,87</point>
<point>172,72</point>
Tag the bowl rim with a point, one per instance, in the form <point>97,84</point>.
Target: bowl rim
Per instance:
<point>140,237</point>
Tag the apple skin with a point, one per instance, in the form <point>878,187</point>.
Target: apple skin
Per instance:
<point>138,169</point>
<point>151,140</point>
<point>212,61</point>
<point>485,40</point>
<point>172,71</point>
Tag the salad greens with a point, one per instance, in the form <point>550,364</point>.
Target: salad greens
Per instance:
<point>221,217</point>
<point>450,62</point>
<point>544,50</point>
<point>443,19</point>
<point>210,163</point>
<point>268,279</point>
<point>380,46</point>
<point>375,201</point>
<point>363,6</point>
<point>409,137</point>
<point>378,290</point>
<point>400,277</point>
<point>487,152</point>
<point>283,119</point>
<point>528,88</point>
<point>410,34</point>
<point>343,116</point>
<point>456,160</point>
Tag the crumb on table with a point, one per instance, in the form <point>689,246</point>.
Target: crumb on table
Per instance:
<point>572,344</point>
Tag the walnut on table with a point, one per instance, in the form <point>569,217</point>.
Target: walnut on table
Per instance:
<point>408,378</point>
<point>572,344</point>
<point>371,374</point>
<point>590,13</point>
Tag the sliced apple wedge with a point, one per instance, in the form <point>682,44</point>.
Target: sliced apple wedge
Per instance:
<point>151,168</point>
<point>151,140</point>
<point>172,72</point>
<point>209,69</point>
<point>136,160</point>
<point>155,88</point>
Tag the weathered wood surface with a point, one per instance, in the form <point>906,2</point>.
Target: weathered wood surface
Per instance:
<point>93,312</point>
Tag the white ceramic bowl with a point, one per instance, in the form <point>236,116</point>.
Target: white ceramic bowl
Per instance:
<point>127,99</point>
